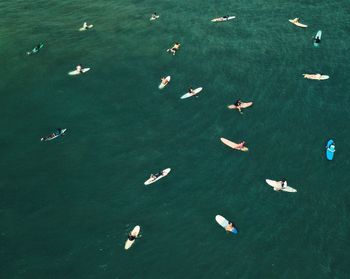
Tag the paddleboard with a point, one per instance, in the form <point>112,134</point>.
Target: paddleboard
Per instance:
<point>152,180</point>
<point>318,35</point>
<point>233,145</point>
<point>162,85</point>
<point>224,223</point>
<point>76,72</point>
<point>316,76</point>
<point>298,23</point>
<point>195,92</point>
<point>221,19</point>
<point>87,27</point>
<point>135,232</point>
<point>242,106</point>
<point>277,185</point>
<point>54,135</point>
<point>330,149</point>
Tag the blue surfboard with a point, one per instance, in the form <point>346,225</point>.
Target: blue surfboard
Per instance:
<point>330,149</point>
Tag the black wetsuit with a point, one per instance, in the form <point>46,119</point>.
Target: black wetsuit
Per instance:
<point>238,103</point>
<point>131,237</point>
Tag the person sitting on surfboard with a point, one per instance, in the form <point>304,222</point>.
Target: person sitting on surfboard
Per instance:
<point>190,90</point>
<point>154,176</point>
<point>79,68</point>
<point>317,40</point>
<point>241,145</point>
<point>37,48</point>
<point>174,48</point>
<point>154,16</point>
<point>231,227</point>
<point>283,185</point>
<point>131,237</point>
<point>164,81</point>
<point>296,20</point>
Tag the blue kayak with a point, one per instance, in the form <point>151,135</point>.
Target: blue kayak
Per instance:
<point>330,150</point>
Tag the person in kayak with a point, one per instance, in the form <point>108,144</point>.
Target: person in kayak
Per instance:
<point>174,49</point>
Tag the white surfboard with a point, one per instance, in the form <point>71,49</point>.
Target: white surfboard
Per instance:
<point>162,85</point>
<point>195,92</point>
<point>221,19</point>
<point>277,185</point>
<point>135,232</point>
<point>76,72</point>
<point>152,180</point>
<point>316,76</point>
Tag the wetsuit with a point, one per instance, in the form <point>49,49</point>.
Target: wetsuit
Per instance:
<point>131,237</point>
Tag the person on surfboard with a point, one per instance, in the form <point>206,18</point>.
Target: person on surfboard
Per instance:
<point>238,105</point>
<point>155,176</point>
<point>283,185</point>
<point>164,80</point>
<point>154,16</point>
<point>190,90</point>
<point>86,26</point>
<point>79,68</point>
<point>231,227</point>
<point>241,145</point>
<point>131,237</point>
<point>174,49</point>
<point>317,40</point>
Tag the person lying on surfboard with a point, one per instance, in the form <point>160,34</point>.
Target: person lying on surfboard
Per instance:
<point>174,49</point>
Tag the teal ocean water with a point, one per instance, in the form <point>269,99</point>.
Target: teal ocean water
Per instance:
<point>67,205</point>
